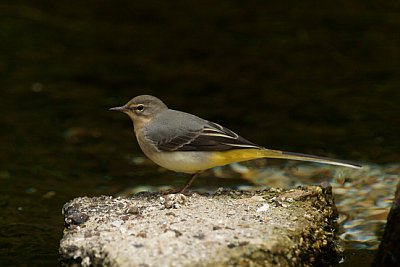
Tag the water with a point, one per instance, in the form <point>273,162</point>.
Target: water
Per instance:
<point>307,78</point>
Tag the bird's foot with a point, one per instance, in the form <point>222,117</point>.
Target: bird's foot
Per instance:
<point>180,190</point>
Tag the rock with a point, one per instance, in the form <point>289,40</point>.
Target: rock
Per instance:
<point>389,249</point>
<point>228,228</point>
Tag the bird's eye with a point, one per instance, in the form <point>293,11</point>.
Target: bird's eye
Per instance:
<point>139,107</point>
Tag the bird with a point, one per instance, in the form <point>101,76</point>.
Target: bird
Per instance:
<point>183,142</point>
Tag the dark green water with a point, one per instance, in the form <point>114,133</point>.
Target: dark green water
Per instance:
<point>310,78</point>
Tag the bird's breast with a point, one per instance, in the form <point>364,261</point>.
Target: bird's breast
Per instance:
<point>183,161</point>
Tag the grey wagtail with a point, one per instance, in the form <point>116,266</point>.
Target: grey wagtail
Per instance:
<point>183,142</point>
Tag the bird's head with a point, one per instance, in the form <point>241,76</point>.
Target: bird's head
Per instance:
<point>142,109</point>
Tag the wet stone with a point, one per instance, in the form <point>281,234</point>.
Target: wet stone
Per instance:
<point>203,230</point>
<point>389,249</point>
<point>363,196</point>
<point>76,218</point>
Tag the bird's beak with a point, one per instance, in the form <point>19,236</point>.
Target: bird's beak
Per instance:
<point>122,109</point>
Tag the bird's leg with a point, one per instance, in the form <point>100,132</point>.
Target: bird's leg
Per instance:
<point>181,190</point>
<point>189,182</point>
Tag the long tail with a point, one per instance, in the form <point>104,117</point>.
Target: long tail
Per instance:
<point>243,154</point>
<point>269,153</point>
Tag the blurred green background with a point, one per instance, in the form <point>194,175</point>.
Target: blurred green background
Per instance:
<point>308,77</point>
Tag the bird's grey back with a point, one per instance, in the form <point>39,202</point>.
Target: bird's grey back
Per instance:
<point>173,130</point>
<point>171,123</point>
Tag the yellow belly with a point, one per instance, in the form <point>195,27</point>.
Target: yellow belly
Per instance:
<point>193,161</point>
<point>183,161</point>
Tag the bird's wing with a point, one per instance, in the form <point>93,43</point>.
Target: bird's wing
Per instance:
<point>210,137</point>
